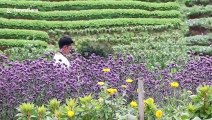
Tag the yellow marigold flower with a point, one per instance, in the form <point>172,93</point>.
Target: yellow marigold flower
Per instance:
<point>111,91</point>
<point>70,113</point>
<point>149,101</point>
<point>134,104</point>
<point>124,86</point>
<point>159,114</point>
<point>129,80</point>
<point>100,83</point>
<point>174,84</point>
<point>106,69</point>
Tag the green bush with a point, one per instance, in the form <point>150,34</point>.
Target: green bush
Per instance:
<point>198,11</point>
<point>198,2</point>
<point>139,28</point>
<point>201,50</point>
<point>29,52</point>
<point>23,34</point>
<point>85,5</point>
<point>204,40</point>
<point>201,22</point>
<point>21,43</point>
<point>86,48</point>
<point>90,14</point>
<point>46,25</point>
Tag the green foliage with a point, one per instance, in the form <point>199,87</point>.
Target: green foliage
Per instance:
<point>138,28</point>
<point>198,2</point>
<point>21,43</point>
<point>201,50</point>
<point>23,53</point>
<point>198,11</point>
<point>202,40</point>
<point>86,48</point>
<point>201,103</point>
<point>158,49</point>
<point>23,34</point>
<point>83,108</point>
<point>89,14</point>
<point>85,5</point>
<point>46,25</point>
<point>201,22</point>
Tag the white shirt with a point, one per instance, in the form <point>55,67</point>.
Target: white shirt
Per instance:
<point>61,59</point>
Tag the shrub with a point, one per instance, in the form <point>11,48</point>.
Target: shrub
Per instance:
<point>22,43</point>
<point>23,34</point>
<point>85,5</point>
<point>201,22</point>
<point>86,48</point>
<point>202,40</point>
<point>198,11</point>
<point>46,25</point>
<point>89,14</point>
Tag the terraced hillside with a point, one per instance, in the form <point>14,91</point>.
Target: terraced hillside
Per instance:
<point>199,15</point>
<point>138,27</point>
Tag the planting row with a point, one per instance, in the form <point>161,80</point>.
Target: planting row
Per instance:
<point>127,37</point>
<point>23,34</point>
<point>46,25</point>
<point>85,5</point>
<point>138,28</point>
<point>21,43</point>
<point>198,11</point>
<point>89,14</point>
<point>201,22</point>
<point>201,50</point>
<point>202,40</point>
<point>198,2</point>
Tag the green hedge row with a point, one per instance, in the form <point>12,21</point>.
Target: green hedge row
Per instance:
<point>203,40</point>
<point>198,11</point>
<point>85,5</point>
<point>22,43</point>
<point>202,50</point>
<point>90,14</point>
<point>139,28</point>
<point>201,22</point>
<point>198,2</point>
<point>47,25</point>
<point>23,34</point>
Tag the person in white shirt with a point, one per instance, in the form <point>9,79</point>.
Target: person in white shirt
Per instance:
<point>65,44</point>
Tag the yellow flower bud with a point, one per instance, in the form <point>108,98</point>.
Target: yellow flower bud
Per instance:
<point>70,113</point>
<point>174,84</point>
<point>111,91</point>
<point>106,69</point>
<point>100,83</point>
<point>129,80</point>
<point>133,104</point>
<point>159,114</point>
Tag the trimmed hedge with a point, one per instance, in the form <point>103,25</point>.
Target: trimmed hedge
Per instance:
<point>22,43</point>
<point>90,14</point>
<point>198,11</point>
<point>198,2</point>
<point>202,50</point>
<point>139,28</point>
<point>23,34</point>
<point>85,5</point>
<point>47,25</point>
<point>199,40</point>
<point>201,22</point>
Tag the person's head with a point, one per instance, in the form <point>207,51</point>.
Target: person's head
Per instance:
<point>65,44</point>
